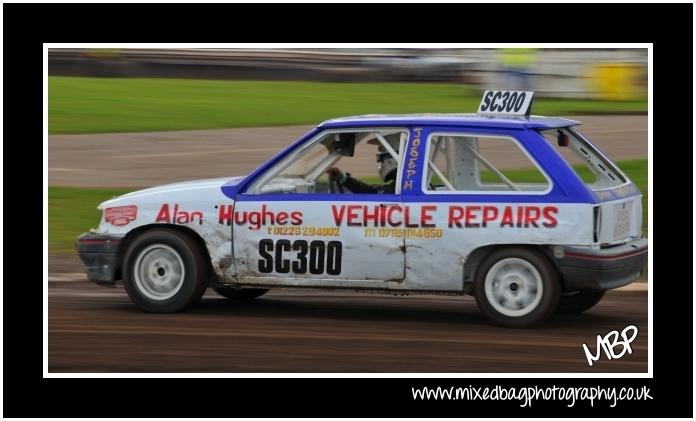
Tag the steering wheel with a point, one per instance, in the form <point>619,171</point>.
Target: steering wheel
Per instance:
<point>334,184</point>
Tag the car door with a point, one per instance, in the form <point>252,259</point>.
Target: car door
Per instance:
<point>288,230</point>
<point>477,187</point>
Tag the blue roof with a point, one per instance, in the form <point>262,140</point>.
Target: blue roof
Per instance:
<point>469,120</point>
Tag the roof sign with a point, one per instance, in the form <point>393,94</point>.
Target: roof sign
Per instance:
<point>516,103</point>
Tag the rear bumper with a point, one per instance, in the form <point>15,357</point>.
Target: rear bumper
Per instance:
<point>99,253</point>
<point>585,269</point>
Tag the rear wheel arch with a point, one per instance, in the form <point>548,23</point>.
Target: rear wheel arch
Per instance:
<point>474,259</point>
<point>517,286</point>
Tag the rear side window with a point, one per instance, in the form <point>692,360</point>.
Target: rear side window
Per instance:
<point>481,164</point>
<point>593,168</point>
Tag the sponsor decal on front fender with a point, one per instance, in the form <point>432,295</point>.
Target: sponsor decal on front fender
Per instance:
<point>178,216</point>
<point>120,215</point>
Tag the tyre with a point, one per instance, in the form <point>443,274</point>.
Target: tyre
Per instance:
<point>164,271</point>
<point>578,302</point>
<point>517,287</point>
<point>240,294</point>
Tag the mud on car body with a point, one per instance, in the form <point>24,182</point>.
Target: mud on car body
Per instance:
<point>525,244</point>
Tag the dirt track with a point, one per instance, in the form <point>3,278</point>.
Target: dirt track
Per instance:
<point>97,329</point>
<point>148,159</point>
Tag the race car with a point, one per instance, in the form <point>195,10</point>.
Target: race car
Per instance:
<point>487,204</point>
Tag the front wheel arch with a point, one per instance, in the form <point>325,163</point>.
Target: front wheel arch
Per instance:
<point>134,233</point>
<point>165,271</point>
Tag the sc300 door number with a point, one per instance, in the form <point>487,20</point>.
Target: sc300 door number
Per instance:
<point>317,257</point>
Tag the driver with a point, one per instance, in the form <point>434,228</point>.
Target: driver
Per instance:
<point>387,167</point>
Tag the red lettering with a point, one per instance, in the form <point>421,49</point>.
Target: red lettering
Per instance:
<point>296,218</point>
<point>225,214</point>
<point>469,215</point>
<point>338,216</point>
<point>549,212</point>
<point>199,215</point>
<point>426,217</point>
<point>490,214</point>
<point>163,214</point>
<point>175,215</point>
<point>407,218</point>
<point>282,218</point>
<point>520,214</point>
<point>237,219</point>
<point>182,217</point>
<point>367,216</point>
<point>390,211</point>
<point>455,215</point>
<point>265,214</point>
<point>507,217</point>
<point>353,215</point>
<point>254,220</point>
<point>530,219</point>
<point>178,216</point>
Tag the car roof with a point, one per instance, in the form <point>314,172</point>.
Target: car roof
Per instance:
<point>468,120</point>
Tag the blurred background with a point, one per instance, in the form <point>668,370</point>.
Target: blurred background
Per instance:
<point>125,119</point>
<point>117,90</point>
<point>618,74</point>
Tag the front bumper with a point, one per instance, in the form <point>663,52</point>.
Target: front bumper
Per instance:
<point>99,253</point>
<point>584,269</point>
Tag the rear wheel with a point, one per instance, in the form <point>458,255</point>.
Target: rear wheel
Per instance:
<point>165,271</point>
<point>516,287</point>
<point>578,302</point>
<point>240,294</point>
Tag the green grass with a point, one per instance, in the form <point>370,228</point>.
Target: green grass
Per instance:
<point>72,210</point>
<point>103,105</point>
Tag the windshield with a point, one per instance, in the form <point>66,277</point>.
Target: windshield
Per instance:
<point>308,161</point>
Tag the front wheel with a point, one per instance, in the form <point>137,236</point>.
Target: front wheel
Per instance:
<point>164,271</point>
<point>517,287</point>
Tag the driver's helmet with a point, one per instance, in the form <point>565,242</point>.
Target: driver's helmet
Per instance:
<point>387,163</point>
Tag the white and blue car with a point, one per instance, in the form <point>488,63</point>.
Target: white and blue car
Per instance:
<point>526,244</point>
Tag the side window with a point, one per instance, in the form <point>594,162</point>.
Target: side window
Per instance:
<point>363,160</point>
<point>481,164</point>
<point>596,171</point>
